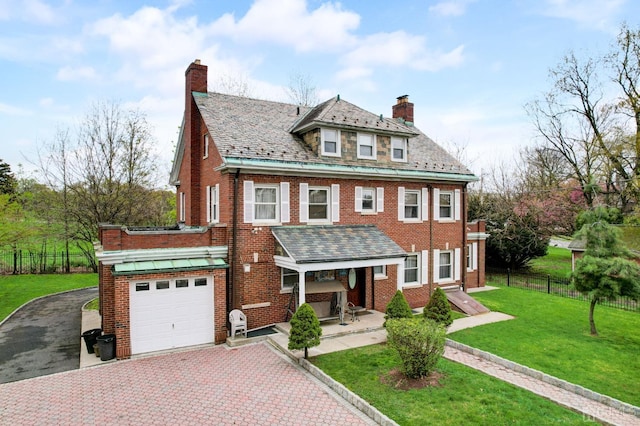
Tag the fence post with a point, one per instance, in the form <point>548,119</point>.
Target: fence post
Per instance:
<point>548,284</point>
<point>508,277</point>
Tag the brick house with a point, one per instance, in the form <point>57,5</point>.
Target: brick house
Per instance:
<point>281,204</point>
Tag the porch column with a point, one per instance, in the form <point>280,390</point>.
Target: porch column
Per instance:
<point>400,275</point>
<point>301,287</point>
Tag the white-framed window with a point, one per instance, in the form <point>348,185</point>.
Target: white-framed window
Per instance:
<point>399,149</point>
<point>446,204</point>
<point>446,265</point>
<point>183,207</point>
<point>266,203</point>
<point>380,271</point>
<point>411,269</point>
<point>213,203</point>
<point>205,147</point>
<point>319,203</point>
<point>289,278</point>
<point>472,256</point>
<point>411,204</point>
<point>330,141</point>
<point>369,200</point>
<point>367,146</point>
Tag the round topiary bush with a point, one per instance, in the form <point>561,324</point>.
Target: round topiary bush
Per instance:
<point>420,344</point>
<point>305,329</point>
<point>438,308</point>
<point>397,308</point>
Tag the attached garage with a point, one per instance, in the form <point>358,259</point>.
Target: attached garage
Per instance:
<point>171,313</point>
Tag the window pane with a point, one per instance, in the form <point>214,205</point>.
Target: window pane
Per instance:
<point>445,265</point>
<point>289,278</point>
<point>330,147</point>
<point>265,195</point>
<point>265,212</point>
<point>182,283</point>
<point>142,286</point>
<point>318,212</point>
<point>411,269</point>
<point>366,151</point>
<point>367,199</point>
<point>199,282</point>
<point>318,196</point>
<point>411,198</point>
<point>162,285</point>
<point>445,205</point>
<point>398,154</point>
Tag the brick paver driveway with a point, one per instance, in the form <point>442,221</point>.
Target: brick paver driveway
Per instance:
<point>249,385</point>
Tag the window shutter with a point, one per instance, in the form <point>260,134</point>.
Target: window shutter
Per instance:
<point>335,203</point>
<point>436,265</point>
<point>436,204</point>
<point>424,272</point>
<point>284,202</point>
<point>456,206</point>
<point>217,204</point>
<point>401,203</point>
<point>208,208</point>
<point>456,264</point>
<point>304,202</point>
<point>380,199</point>
<point>248,201</point>
<point>425,204</point>
<point>474,256</point>
<point>358,207</point>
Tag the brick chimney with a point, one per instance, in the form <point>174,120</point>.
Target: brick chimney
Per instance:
<point>195,81</point>
<point>403,109</point>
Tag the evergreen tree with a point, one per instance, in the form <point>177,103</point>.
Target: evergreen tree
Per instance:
<point>397,308</point>
<point>305,329</point>
<point>7,179</point>
<point>438,308</point>
<point>605,271</point>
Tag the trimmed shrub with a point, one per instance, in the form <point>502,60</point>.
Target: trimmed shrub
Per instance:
<point>397,308</point>
<point>420,344</point>
<point>305,329</point>
<point>438,308</point>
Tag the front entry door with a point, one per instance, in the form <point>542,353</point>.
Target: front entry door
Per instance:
<point>357,286</point>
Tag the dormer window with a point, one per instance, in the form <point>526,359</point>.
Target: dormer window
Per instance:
<point>399,149</point>
<point>330,142</point>
<point>366,146</point>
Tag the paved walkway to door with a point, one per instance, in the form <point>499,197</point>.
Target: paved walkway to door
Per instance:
<point>249,385</point>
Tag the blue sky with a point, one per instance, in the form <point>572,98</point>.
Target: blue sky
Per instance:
<point>469,66</point>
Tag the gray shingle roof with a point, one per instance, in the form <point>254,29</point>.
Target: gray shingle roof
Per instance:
<point>335,243</point>
<point>245,128</point>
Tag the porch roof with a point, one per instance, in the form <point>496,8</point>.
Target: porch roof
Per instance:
<point>336,243</point>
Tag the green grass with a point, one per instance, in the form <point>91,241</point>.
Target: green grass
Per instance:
<point>15,290</point>
<point>465,396</point>
<point>93,305</point>
<point>557,262</point>
<point>551,334</point>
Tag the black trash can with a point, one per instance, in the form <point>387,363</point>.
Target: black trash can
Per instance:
<point>107,346</point>
<point>90,337</point>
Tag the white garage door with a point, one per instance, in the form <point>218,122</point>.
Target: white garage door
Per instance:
<point>167,314</point>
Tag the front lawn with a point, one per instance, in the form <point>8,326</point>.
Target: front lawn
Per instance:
<point>551,334</point>
<point>557,262</point>
<point>465,397</point>
<point>16,290</point>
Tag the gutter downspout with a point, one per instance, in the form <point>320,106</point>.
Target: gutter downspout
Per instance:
<point>432,204</point>
<point>465,246</point>
<point>234,241</point>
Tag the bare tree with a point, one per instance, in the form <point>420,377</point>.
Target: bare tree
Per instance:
<point>237,85</point>
<point>302,90</point>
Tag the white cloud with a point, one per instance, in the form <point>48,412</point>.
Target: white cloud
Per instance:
<point>397,49</point>
<point>450,8</point>
<point>31,11</point>
<point>13,110</point>
<point>598,13</point>
<point>46,102</point>
<point>73,74</point>
<point>288,22</point>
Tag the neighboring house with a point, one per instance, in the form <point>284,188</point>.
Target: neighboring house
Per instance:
<point>630,236</point>
<point>281,204</point>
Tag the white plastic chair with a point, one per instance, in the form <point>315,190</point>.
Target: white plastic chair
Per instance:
<point>238,322</point>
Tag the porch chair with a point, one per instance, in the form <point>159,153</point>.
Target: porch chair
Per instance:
<point>238,322</point>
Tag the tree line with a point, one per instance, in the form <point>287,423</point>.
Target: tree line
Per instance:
<point>103,171</point>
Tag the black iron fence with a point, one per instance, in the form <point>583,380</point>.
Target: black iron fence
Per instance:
<point>551,285</point>
<point>35,262</point>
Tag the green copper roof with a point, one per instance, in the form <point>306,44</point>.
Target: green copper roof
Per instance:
<point>148,266</point>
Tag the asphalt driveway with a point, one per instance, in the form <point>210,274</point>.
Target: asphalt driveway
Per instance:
<point>43,337</point>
